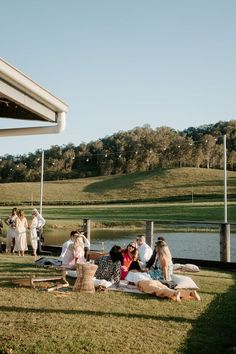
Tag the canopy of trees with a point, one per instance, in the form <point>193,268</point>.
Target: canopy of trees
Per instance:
<point>139,149</point>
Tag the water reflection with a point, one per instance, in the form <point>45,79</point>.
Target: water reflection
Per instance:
<point>194,245</point>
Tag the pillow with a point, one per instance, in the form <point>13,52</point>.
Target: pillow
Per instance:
<point>101,282</point>
<point>190,268</point>
<point>135,277</point>
<point>183,282</point>
<point>186,267</point>
<point>177,266</point>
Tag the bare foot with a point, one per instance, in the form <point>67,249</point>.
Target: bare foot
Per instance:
<point>195,295</point>
<point>178,298</point>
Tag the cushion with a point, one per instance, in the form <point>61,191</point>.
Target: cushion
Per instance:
<point>101,282</point>
<point>190,268</point>
<point>183,282</point>
<point>135,277</point>
<point>186,267</point>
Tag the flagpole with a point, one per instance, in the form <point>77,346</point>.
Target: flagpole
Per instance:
<point>41,183</point>
<point>225,182</point>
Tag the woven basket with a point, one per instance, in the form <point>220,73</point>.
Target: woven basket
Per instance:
<point>85,274</point>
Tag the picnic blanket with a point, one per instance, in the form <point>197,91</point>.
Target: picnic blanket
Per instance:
<point>182,281</point>
<point>48,262</point>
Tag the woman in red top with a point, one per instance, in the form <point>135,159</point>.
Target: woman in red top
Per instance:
<point>130,254</point>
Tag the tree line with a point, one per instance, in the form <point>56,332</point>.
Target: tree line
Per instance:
<point>139,149</point>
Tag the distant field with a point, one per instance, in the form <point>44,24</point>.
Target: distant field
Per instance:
<point>183,194</point>
<point>181,184</point>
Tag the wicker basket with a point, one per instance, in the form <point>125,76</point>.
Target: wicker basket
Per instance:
<point>85,274</point>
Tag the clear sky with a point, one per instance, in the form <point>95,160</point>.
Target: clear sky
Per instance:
<point>120,64</point>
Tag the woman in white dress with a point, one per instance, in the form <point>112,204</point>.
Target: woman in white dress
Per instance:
<point>11,234</point>
<point>33,232</point>
<point>21,226</point>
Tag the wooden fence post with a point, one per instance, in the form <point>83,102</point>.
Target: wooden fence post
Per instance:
<point>149,233</point>
<point>225,242</point>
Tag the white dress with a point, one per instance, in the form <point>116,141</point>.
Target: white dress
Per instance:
<point>21,241</point>
<point>11,232</point>
<point>33,233</point>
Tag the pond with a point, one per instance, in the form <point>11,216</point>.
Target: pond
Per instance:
<point>196,245</point>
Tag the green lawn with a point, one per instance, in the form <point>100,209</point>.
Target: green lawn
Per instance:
<point>35,321</point>
<point>165,216</point>
<point>196,194</point>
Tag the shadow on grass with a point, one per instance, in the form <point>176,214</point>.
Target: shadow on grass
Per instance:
<point>214,331</point>
<point>11,267</point>
<point>122,181</point>
<point>94,313</point>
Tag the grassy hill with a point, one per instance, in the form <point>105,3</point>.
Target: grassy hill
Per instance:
<point>156,185</point>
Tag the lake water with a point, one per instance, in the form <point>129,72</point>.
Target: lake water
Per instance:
<point>194,245</point>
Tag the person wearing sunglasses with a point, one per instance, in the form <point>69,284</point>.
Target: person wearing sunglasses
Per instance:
<point>130,254</point>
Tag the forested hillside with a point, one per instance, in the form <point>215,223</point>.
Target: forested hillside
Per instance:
<point>140,149</point>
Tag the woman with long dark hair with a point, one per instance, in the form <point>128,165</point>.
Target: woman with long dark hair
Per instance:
<point>130,254</point>
<point>109,267</point>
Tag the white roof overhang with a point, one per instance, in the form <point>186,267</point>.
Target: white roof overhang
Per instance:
<point>22,98</point>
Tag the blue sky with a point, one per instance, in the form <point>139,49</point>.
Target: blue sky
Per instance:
<point>122,64</point>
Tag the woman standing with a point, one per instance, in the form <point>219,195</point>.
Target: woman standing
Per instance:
<point>21,226</point>
<point>11,234</point>
<point>33,232</point>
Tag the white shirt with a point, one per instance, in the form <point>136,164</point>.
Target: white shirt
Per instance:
<point>144,253</point>
<point>64,249</point>
<point>41,221</point>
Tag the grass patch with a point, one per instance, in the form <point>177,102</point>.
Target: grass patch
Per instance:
<point>34,321</point>
<point>156,185</point>
<point>167,216</point>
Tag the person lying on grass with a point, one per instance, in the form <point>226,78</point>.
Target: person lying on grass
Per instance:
<point>155,287</point>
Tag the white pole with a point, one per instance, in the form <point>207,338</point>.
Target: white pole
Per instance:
<point>41,184</point>
<point>225,180</point>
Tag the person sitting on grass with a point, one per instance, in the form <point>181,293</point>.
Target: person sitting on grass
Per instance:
<point>130,254</point>
<point>74,253</point>
<point>86,243</point>
<point>160,266</point>
<point>144,250</point>
<point>67,244</point>
<point>109,267</point>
